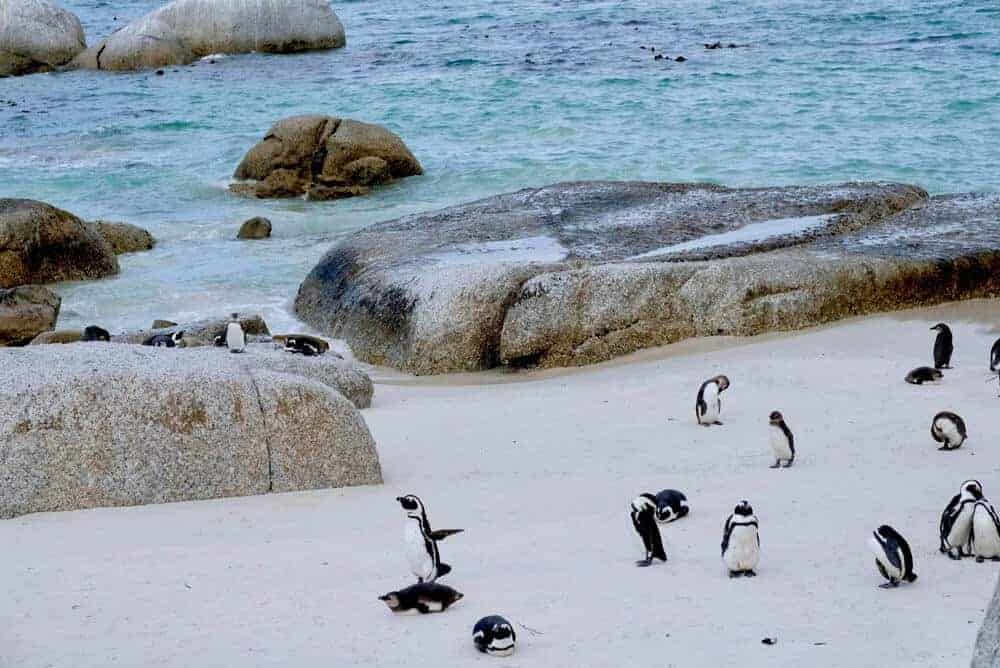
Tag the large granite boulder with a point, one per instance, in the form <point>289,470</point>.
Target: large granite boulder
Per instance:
<point>123,237</point>
<point>37,36</point>
<point>582,272</point>
<point>42,244</point>
<point>25,311</point>
<point>186,30</point>
<point>324,158</point>
<point>987,651</point>
<point>85,425</point>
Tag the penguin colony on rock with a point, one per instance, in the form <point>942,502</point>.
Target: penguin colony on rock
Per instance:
<point>969,525</point>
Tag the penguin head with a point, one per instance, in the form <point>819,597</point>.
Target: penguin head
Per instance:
<point>744,508</point>
<point>722,382</point>
<point>972,489</point>
<point>177,336</point>
<point>776,417</point>
<point>886,532</point>
<point>940,327</point>
<point>412,504</point>
<point>391,600</point>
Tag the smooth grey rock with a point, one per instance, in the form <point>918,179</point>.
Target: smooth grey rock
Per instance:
<point>574,273</point>
<point>37,36</point>
<point>987,650</point>
<point>255,228</point>
<point>85,425</point>
<point>186,30</point>
<point>123,237</point>
<point>42,244</point>
<point>58,336</point>
<point>25,311</point>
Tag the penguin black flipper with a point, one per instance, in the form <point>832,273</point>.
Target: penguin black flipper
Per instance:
<point>656,541</point>
<point>725,535</point>
<point>892,552</point>
<point>441,534</point>
<point>443,569</point>
<point>995,355</point>
<point>948,518</point>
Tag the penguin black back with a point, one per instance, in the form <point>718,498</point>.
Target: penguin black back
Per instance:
<point>995,356</point>
<point>95,333</point>
<point>923,374</point>
<point>892,541</point>
<point>943,346</point>
<point>643,513</point>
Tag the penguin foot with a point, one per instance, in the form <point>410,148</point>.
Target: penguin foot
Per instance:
<point>735,574</point>
<point>788,465</point>
<point>718,422</point>
<point>643,563</point>
<point>994,558</point>
<point>891,584</point>
<point>980,560</point>
<point>953,555</point>
<point>776,465</point>
<point>749,574</point>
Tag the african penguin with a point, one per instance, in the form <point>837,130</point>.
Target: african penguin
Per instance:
<point>782,441</point>
<point>995,356</point>
<point>643,512</point>
<point>984,539</point>
<point>708,406</point>
<point>425,597</point>
<point>741,542</point>
<point>303,346</point>
<point>949,430</point>
<point>943,346</point>
<point>236,338</point>
<point>892,556</point>
<point>421,541</point>
<point>494,635</point>
<point>923,374</point>
<point>164,340</point>
<point>671,505</point>
<point>95,333</point>
<point>956,520</point>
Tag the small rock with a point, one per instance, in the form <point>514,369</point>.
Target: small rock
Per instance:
<point>163,324</point>
<point>160,73</point>
<point>680,59</point>
<point>25,311</point>
<point>658,56</point>
<point>255,228</point>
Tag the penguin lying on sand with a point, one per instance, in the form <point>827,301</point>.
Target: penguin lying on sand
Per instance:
<point>164,340</point>
<point>425,597</point>
<point>494,635</point>
<point>671,505</point>
<point>949,430</point>
<point>643,513</point>
<point>893,557</point>
<point>421,541</point>
<point>923,374</point>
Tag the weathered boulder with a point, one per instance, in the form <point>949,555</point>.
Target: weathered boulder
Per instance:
<point>124,238</point>
<point>987,651</point>
<point>42,244</point>
<point>199,333</point>
<point>324,158</point>
<point>58,336</point>
<point>255,228</point>
<point>186,30</point>
<point>25,311</point>
<point>582,272</point>
<point>106,425</point>
<point>37,36</point>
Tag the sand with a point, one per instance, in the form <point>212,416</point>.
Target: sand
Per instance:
<point>539,468</point>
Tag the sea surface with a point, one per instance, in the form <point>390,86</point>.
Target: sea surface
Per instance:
<point>492,97</point>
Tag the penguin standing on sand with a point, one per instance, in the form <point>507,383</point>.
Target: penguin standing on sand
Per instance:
<point>236,338</point>
<point>741,542</point>
<point>421,541</point>
<point>948,429</point>
<point>782,441</point>
<point>708,406</point>
<point>943,346</point>
<point>984,539</point>
<point>671,505</point>
<point>995,356</point>
<point>923,374</point>
<point>643,511</point>
<point>956,520</point>
<point>892,556</point>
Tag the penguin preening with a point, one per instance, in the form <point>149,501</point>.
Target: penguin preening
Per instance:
<point>995,356</point>
<point>741,542</point>
<point>984,539</point>
<point>171,340</point>
<point>956,520</point>
<point>708,405</point>
<point>494,635</point>
<point>671,505</point>
<point>782,441</point>
<point>948,429</point>
<point>643,512</point>
<point>95,333</point>
<point>893,557</point>
<point>923,374</point>
<point>236,338</point>
<point>425,597</point>
<point>421,541</point>
<point>943,346</point>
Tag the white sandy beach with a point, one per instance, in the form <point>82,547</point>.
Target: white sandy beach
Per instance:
<point>540,471</point>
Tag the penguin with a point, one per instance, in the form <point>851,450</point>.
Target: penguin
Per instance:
<point>164,340</point>
<point>425,597</point>
<point>995,356</point>
<point>943,346</point>
<point>984,539</point>
<point>741,542</point>
<point>421,542</point>
<point>494,635</point>
<point>95,333</point>
<point>671,505</point>
<point>708,405</point>
<point>949,430</point>
<point>923,374</point>
<point>236,339</point>
<point>782,441</point>
<point>304,345</point>
<point>643,511</point>
<point>892,556</point>
<point>956,520</point>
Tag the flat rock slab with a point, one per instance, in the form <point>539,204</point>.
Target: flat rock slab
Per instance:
<point>85,425</point>
<point>577,273</point>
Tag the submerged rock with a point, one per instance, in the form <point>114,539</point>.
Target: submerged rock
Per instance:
<point>42,244</point>
<point>24,312</point>
<point>123,237</point>
<point>582,272</point>
<point>324,158</point>
<point>255,228</point>
<point>37,36</point>
<point>87,425</point>
<point>185,30</point>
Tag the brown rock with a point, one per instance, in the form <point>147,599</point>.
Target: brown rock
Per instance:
<point>255,228</point>
<point>163,324</point>
<point>124,238</point>
<point>58,336</point>
<point>25,311</point>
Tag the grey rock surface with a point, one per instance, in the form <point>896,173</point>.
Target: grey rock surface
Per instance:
<point>198,333</point>
<point>37,36</point>
<point>186,30</point>
<point>577,273</point>
<point>123,237</point>
<point>85,425</point>
<point>255,228</point>
<point>987,651</point>
<point>25,311</point>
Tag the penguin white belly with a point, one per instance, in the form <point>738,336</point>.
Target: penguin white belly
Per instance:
<point>948,430</point>
<point>876,548</point>
<point>779,443</point>
<point>986,540</point>
<point>421,563</point>
<point>712,407</point>
<point>236,340</point>
<point>961,528</point>
<point>743,551</point>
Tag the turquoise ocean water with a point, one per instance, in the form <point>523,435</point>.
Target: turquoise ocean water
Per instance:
<point>491,97</point>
